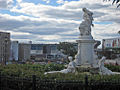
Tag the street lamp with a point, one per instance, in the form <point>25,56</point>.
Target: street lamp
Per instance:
<point>111,53</point>
<point>5,58</point>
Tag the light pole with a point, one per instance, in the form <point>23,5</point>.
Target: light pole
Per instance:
<point>110,53</point>
<point>5,58</point>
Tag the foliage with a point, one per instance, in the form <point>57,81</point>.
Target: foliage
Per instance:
<point>114,1</point>
<point>114,68</point>
<point>100,78</point>
<point>68,48</point>
<point>27,70</point>
<point>53,67</point>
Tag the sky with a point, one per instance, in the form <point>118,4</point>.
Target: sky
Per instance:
<point>53,21</point>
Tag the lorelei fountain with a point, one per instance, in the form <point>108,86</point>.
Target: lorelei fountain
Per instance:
<point>86,59</point>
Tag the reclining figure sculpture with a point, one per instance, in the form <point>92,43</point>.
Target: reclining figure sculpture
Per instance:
<point>69,69</point>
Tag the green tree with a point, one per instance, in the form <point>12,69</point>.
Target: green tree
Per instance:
<point>68,48</point>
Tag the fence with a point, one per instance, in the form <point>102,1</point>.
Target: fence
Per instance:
<point>35,83</point>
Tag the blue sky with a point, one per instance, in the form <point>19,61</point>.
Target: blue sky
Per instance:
<point>53,21</point>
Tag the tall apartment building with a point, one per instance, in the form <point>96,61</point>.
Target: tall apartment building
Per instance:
<point>4,47</point>
<point>14,50</point>
<point>24,51</point>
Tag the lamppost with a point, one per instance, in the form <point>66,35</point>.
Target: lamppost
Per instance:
<point>6,43</point>
<point>110,53</point>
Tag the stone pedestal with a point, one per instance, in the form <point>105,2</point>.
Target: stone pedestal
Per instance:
<point>85,55</point>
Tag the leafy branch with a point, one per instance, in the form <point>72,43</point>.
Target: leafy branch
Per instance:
<point>114,1</point>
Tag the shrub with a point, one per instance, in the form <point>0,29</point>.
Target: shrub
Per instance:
<point>27,70</point>
<point>114,68</point>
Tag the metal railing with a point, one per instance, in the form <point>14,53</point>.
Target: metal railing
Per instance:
<point>35,83</point>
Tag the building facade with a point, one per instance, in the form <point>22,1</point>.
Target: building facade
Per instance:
<point>14,50</point>
<point>111,47</point>
<point>4,47</point>
<point>24,52</point>
<point>36,49</point>
<point>45,51</point>
<point>111,43</point>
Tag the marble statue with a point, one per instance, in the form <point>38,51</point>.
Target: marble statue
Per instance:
<point>95,61</point>
<point>102,68</point>
<point>85,54</point>
<point>85,26</point>
<point>70,68</point>
<point>86,58</point>
<point>77,56</point>
<point>77,61</point>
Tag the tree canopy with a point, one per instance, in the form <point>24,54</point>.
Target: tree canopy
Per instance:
<point>68,48</point>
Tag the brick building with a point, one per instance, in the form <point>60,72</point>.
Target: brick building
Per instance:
<point>4,47</point>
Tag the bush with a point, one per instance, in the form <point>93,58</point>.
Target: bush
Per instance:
<point>53,67</point>
<point>27,70</point>
<point>114,68</point>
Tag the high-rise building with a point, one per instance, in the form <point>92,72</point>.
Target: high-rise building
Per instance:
<point>24,51</point>
<point>4,47</point>
<point>14,50</point>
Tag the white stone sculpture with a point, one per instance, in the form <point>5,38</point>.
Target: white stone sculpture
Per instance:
<point>77,59</point>
<point>70,68</point>
<point>86,58</point>
<point>85,26</point>
<point>85,54</point>
<point>88,16</point>
<point>95,61</point>
<point>102,68</point>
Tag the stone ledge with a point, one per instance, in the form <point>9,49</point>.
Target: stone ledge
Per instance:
<point>86,41</point>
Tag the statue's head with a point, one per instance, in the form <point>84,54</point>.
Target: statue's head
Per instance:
<point>84,9</point>
<point>70,58</point>
<point>87,11</point>
<point>103,58</point>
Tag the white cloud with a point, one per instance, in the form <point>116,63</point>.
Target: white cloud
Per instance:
<point>61,1</point>
<point>18,33</point>
<point>70,10</point>
<point>45,23</point>
<point>36,29</point>
<point>101,31</point>
<point>47,1</point>
<point>50,37</point>
<point>19,1</point>
<point>5,4</point>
